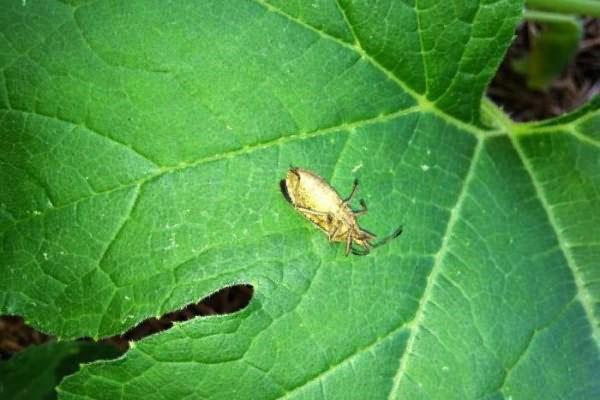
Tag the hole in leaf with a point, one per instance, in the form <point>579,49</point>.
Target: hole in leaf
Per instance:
<point>16,335</point>
<point>225,301</point>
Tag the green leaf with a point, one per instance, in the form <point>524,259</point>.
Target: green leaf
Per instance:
<point>142,146</point>
<point>35,372</point>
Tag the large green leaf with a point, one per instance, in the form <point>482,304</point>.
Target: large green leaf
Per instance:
<point>142,145</point>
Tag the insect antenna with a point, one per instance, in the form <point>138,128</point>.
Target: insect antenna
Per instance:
<point>354,187</point>
<point>391,236</point>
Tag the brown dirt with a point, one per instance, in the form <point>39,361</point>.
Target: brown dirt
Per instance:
<point>15,336</point>
<point>576,85</point>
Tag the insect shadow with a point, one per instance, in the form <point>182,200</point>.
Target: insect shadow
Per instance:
<point>284,191</point>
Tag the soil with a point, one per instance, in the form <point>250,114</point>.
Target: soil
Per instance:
<point>577,84</point>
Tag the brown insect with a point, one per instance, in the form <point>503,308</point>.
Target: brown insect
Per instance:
<point>312,196</point>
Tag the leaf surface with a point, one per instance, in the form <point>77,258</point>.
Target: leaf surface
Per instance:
<point>142,146</point>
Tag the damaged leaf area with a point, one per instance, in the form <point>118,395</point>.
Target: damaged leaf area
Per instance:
<point>141,148</point>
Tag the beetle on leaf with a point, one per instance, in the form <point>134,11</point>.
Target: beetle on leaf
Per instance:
<point>314,198</point>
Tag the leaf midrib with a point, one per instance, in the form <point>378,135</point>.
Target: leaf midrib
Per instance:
<point>423,105</point>
<point>426,104</point>
<point>417,321</point>
<point>164,170</point>
<point>582,293</point>
<point>513,131</point>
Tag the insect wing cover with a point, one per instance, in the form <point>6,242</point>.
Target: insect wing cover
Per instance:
<point>310,191</point>
<point>319,202</point>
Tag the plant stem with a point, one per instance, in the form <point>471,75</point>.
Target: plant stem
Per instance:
<point>584,7</point>
<point>544,16</point>
<point>496,114</point>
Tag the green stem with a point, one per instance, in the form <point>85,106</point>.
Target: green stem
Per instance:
<point>496,114</point>
<point>584,7</point>
<point>544,16</point>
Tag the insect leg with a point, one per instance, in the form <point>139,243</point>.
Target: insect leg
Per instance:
<point>367,246</point>
<point>364,208</point>
<point>361,252</point>
<point>333,231</point>
<point>354,187</point>
<point>348,243</point>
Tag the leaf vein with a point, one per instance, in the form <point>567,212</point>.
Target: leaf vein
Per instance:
<point>583,295</point>
<point>88,129</point>
<point>463,51</point>
<point>421,100</point>
<point>348,24</point>
<point>435,270</point>
<point>423,58</point>
<point>348,359</point>
<point>230,154</point>
<point>130,207</point>
<point>526,348</point>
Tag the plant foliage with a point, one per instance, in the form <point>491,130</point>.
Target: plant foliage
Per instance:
<point>142,143</point>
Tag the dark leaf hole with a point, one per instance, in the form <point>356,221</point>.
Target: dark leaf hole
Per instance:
<point>16,335</point>
<point>225,301</point>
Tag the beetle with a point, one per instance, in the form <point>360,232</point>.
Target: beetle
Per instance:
<point>319,202</point>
